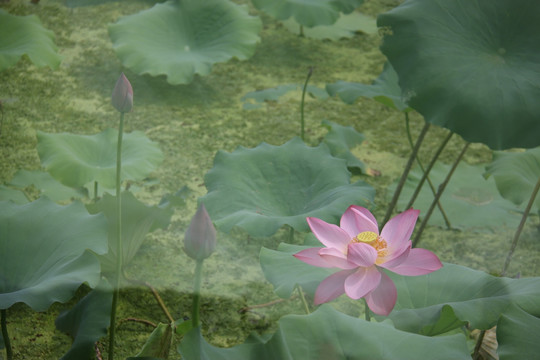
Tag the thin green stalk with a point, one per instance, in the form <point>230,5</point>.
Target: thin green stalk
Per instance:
<point>291,235</point>
<point>116,293</point>
<point>428,170</point>
<point>95,191</point>
<point>158,298</point>
<point>5,335</point>
<point>303,299</point>
<point>440,191</point>
<point>367,312</point>
<point>406,173</point>
<point>478,346</point>
<point>425,175</point>
<point>310,72</point>
<point>520,227</point>
<point>196,294</point>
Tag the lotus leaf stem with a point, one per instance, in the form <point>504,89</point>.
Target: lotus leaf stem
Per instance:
<point>196,294</point>
<point>1,118</point>
<point>270,303</point>
<point>310,72</point>
<point>116,293</point>
<point>291,235</point>
<point>303,299</point>
<point>520,227</point>
<point>142,321</point>
<point>425,176</point>
<point>367,313</point>
<point>5,335</point>
<point>440,191</point>
<point>156,296</point>
<point>478,346</point>
<point>428,170</point>
<point>405,173</point>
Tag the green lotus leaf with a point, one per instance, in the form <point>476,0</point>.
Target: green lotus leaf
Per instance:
<point>273,94</point>
<point>176,200</point>
<point>516,174</point>
<point>446,322</point>
<point>385,90</point>
<point>14,195</point>
<point>263,188</point>
<point>158,344</point>
<point>329,334</point>
<point>179,39</point>
<point>278,265</point>
<point>316,92</point>
<point>473,295</point>
<point>80,3</point>
<point>46,184</point>
<point>471,66</point>
<point>517,333</point>
<point>470,201</point>
<point>345,27</point>
<point>43,257</point>
<point>340,139</point>
<point>308,13</point>
<point>25,35</point>
<point>87,321</point>
<point>138,220</point>
<point>76,160</point>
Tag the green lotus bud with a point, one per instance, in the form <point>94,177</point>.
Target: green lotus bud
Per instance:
<point>122,96</point>
<point>200,237</point>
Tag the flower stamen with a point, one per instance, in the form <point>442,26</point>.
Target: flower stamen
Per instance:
<point>377,242</point>
<point>366,236</point>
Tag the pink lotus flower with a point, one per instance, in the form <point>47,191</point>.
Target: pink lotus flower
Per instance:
<point>360,251</point>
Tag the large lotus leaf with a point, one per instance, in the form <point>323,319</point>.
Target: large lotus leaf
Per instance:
<point>278,265</point>
<point>158,344</point>
<point>176,200</point>
<point>340,139</point>
<point>182,38</point>
<point>270,94</point>
<point>474,296</point>
<point>263,188</point>
<point>80,3</point>
<point>14,195</point>
<point>273,94</point>
<point>46,184</point>
<point>516,174</point>
<point>43,257</point>
<point>76,160</point>
<point>345,27</point>
<point>87,321</point>
<point>138,220</point>
<point>517,335</point>
<point>470,201</point>
<point>472,66</point>
<point>328,334</point>
<point>385,89</point>
<point>25,35</point>
<point>308,13</point>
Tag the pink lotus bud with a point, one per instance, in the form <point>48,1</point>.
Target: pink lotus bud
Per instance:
<point>122,96</point>
<point>200,238</point>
